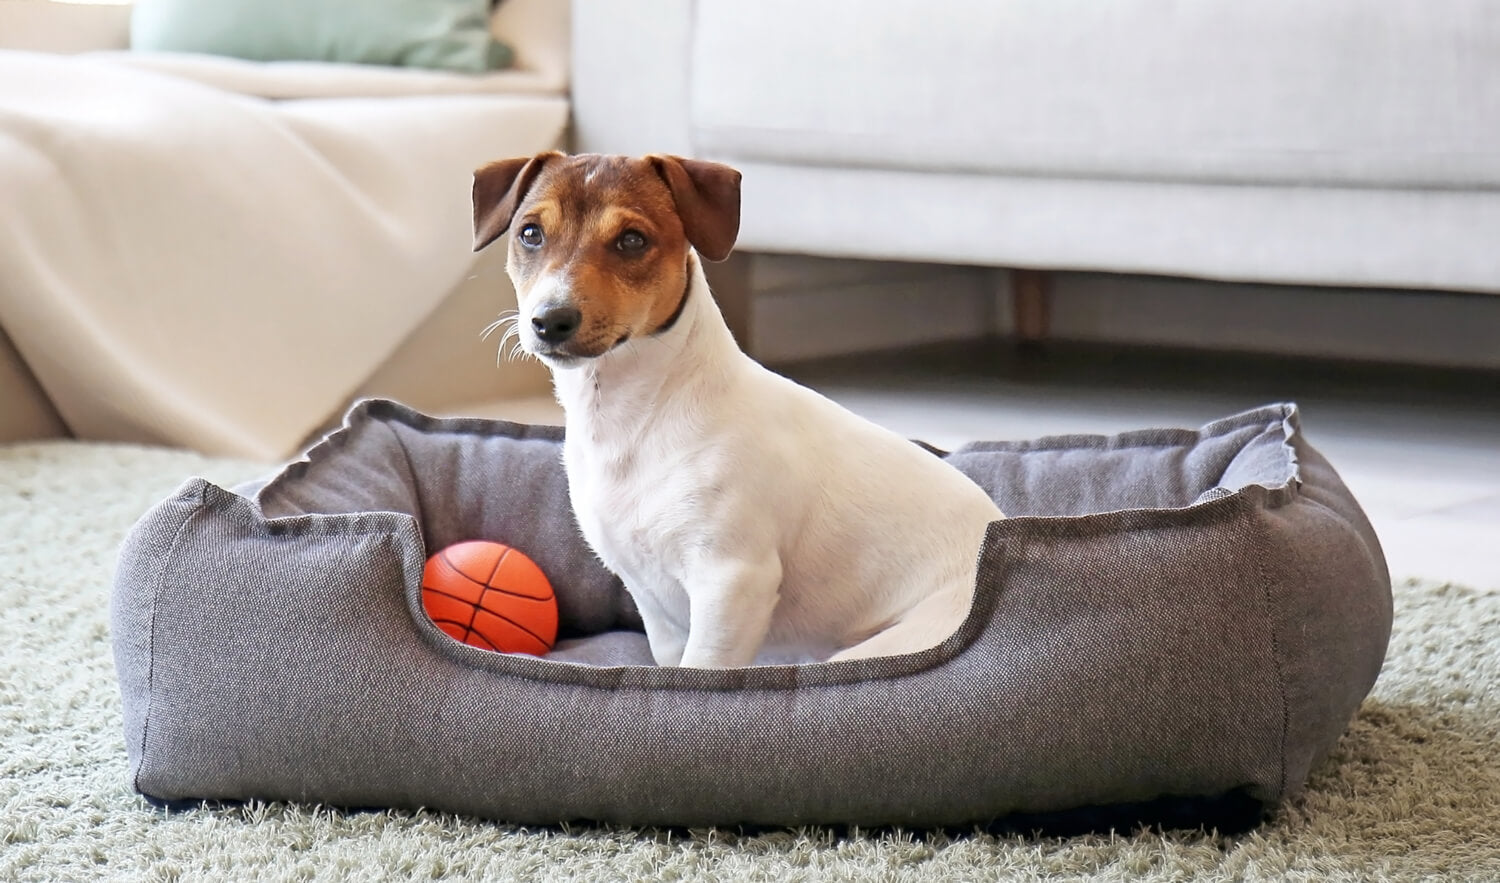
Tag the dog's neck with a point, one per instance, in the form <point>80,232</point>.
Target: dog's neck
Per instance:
<point>617,396</point>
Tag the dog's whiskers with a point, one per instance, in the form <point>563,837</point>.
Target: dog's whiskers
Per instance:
<point>509,317</point>
<point>517,349</point>
<point>509,324</point>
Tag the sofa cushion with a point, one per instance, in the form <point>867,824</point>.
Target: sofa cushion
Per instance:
<point>444,34</point>
<point>1345,92</point>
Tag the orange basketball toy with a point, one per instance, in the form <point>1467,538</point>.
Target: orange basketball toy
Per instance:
<point>491,596</point>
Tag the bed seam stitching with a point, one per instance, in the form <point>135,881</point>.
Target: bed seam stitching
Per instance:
<point>1276,665</point>
<point>156,593</point>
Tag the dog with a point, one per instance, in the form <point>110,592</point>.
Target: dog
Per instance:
<point>751,519</point>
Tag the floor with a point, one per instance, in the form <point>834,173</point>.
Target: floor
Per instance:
<point>1419,447</point>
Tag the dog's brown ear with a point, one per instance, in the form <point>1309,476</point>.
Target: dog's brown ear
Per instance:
<point>499,188</point>
<point>707,195</point>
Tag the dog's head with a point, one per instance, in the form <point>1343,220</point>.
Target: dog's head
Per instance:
<point>600,246</point>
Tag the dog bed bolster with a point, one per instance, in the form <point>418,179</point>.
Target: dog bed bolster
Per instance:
<point>1168,614</point>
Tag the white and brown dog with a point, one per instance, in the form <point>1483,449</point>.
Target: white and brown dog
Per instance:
<point>751,518</point>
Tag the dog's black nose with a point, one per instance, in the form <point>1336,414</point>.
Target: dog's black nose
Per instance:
<point>556,324</point>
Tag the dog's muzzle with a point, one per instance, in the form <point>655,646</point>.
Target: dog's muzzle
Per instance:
<point>557,336</point>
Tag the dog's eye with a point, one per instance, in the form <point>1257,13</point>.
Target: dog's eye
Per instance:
<point>531,236</point>
<point>631,241</point>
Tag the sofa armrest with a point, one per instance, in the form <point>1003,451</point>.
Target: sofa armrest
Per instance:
<point>45,26</point>
<point>630,76</point>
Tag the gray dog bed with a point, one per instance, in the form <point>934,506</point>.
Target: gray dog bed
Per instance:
<point>1171,614</point>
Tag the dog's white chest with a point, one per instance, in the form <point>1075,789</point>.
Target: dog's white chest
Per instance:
<point>627,519</point>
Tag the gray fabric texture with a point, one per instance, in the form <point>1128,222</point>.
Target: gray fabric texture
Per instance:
<point>271,645</point>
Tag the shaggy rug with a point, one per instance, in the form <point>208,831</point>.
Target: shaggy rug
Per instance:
<point>1412,791</point>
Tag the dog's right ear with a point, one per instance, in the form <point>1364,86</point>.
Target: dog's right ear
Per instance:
<point>499,188</point>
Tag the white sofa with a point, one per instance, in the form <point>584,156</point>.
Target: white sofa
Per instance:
<point>1346,142</point>
<point>220,254</point>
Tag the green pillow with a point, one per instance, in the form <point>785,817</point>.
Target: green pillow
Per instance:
<point>445,34</point>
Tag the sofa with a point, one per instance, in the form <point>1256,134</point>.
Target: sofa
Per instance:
<point>1343,143</point>
<point>220,254</point>
<point>1347,144</point>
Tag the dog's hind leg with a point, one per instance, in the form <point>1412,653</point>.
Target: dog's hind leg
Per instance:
<point>927,624</point>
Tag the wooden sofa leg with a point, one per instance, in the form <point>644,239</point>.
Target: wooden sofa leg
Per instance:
<point>731,284</point>
<point>1030,305</point>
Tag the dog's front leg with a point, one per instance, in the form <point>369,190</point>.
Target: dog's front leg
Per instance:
<point>667,638</point>
<point>730,607</point>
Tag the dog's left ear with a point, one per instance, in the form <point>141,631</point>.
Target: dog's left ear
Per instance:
<point>499,188</point>
<point>707,195</point>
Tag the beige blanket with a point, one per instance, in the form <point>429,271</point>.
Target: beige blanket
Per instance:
<point>186,265</point>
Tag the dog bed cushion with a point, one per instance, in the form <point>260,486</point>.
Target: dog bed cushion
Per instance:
<point>1168,614</point>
